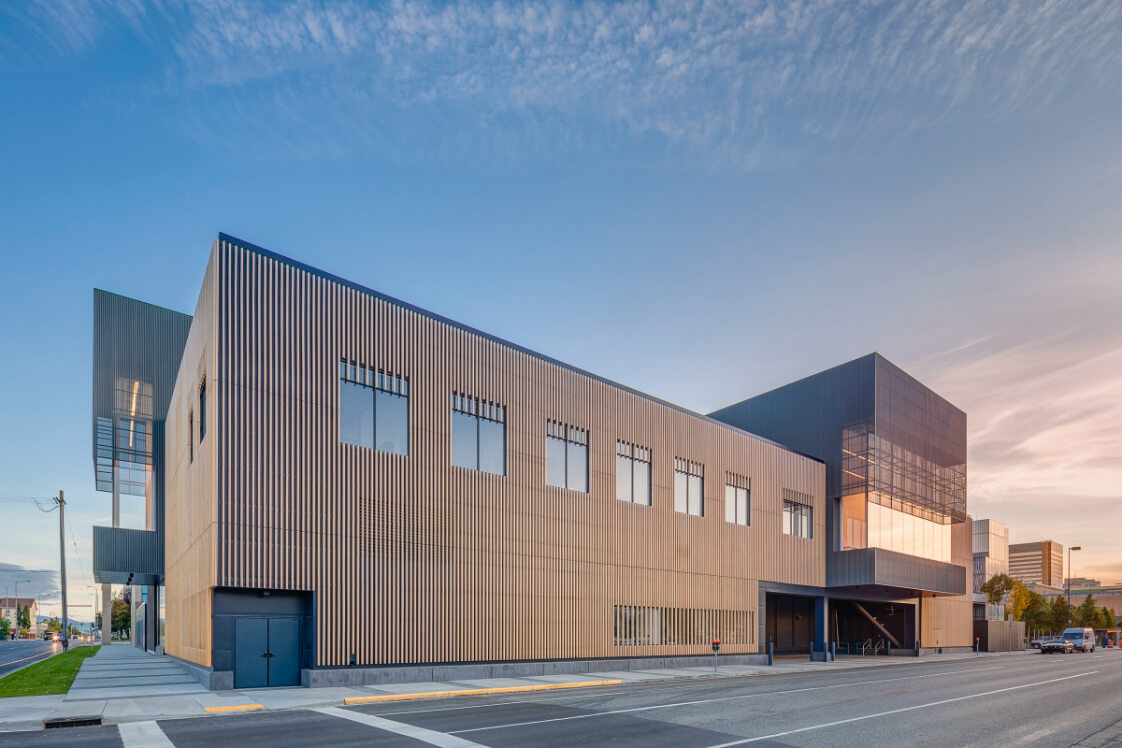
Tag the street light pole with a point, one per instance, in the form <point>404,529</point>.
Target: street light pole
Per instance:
<point>1068,581</point>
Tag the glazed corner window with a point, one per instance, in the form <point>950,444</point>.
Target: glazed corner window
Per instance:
<point>373,409</point>
<point>633,473</point>
<point>566,456</point>
<point>689,482</point>
<point>738,499</point>
<point>797,519</point>
<point>478,434</point>
<point>202,409</point>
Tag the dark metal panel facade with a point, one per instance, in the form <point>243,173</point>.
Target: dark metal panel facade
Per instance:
<point>136,352</point>
<point>124,556</point>
<point>877,566</point>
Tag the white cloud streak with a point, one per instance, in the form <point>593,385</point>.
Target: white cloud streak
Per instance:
<point>721,78</point>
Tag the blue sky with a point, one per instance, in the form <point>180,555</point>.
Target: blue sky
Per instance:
<point>702,200</point>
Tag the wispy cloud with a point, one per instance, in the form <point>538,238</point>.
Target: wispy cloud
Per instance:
<point>1044,415</point>
<point>721,79</point>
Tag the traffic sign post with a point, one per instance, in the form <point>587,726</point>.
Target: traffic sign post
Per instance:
<point>716,648</point>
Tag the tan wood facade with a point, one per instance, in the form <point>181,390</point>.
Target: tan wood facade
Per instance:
<point>413,560</point>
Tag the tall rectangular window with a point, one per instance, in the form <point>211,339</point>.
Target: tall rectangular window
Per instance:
<point>689,483</point>
<point>190,436</point>
<point>566,456</point>
<point>373,409</point>
<point>478,434</point>
<point>738,502</point>
<point>633,473</point>
<point>797,519</point>
<point>202,410</point>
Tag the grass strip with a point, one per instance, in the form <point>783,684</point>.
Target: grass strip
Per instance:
<point>52,675</point>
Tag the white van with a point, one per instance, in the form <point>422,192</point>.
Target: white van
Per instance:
<point>1081,638</point>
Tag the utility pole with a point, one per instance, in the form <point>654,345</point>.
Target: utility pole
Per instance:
<point>61,501</point>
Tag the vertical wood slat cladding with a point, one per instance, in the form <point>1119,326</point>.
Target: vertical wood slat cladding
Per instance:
<point>191,486</point>
<point>413,560</point>
<point>948,621</point>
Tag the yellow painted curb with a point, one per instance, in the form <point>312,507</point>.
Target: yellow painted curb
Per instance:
<point>476,691</point>
<point>238,708</point>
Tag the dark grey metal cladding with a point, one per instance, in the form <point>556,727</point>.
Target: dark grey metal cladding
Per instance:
<point>877,566</point>
<point>137,340</point>
<point>125,556</point>
<point>142,342</point>
<point>809,415</point>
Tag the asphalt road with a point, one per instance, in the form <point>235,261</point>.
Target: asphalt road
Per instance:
<point>1029,700</point>
<point>22,652</point>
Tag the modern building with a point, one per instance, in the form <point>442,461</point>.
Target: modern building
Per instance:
<point>1082,583</point>
<point>358,490</point>
<point>9,607</point>
<point>1041,562</point>
<point>991,558</point>
<point>136,352</point>
<point>898,538</point>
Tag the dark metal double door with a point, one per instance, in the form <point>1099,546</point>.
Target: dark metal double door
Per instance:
<point>266,651</point>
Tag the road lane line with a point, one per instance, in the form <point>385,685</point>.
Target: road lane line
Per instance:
<point>143,735</point>
<point>901,710</point>
<point>32,657</point>
<point>432,737</point>
<point>630,710</point>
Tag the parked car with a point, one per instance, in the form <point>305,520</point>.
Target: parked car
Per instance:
<point>48,636</point>
<point>1055,644</point>
<point>1082,639</point>
<point>1035,643</point>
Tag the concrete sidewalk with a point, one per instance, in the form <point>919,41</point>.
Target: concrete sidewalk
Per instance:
<point>134,686</point>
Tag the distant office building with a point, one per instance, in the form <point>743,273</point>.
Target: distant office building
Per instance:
<point>991,558</point>
<point>1082,582</point>
<point>1041,562</point>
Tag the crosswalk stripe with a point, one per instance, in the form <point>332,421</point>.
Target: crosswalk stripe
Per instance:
<point>432,737</point>
<point>143,735</point>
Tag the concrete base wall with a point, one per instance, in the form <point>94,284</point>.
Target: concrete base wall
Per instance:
<point>215,680</point>
<point>365,676</point>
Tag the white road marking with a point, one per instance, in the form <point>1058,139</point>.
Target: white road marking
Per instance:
<point>432,737</point>
<point>824,725</point>
<point>32,657</point>
<point>143,735</point>
<point>592,715</point>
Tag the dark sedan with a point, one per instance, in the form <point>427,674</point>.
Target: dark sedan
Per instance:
<point>1056,644</point>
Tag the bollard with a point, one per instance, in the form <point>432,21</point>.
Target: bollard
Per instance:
<point>889,652</point>
<point>833,651</point>
<point>771,653</point>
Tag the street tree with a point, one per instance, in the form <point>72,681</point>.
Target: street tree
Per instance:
<point>1109,620</point>
<point>5,628</point>
<point>54,624</point>
<point>1059,614</point>
<point>997,588</point>
<point>1019,598</point>
<point>121,617</point>
<point>1087,614</point>
<point>1037,614</point>
<point>23,616</point>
